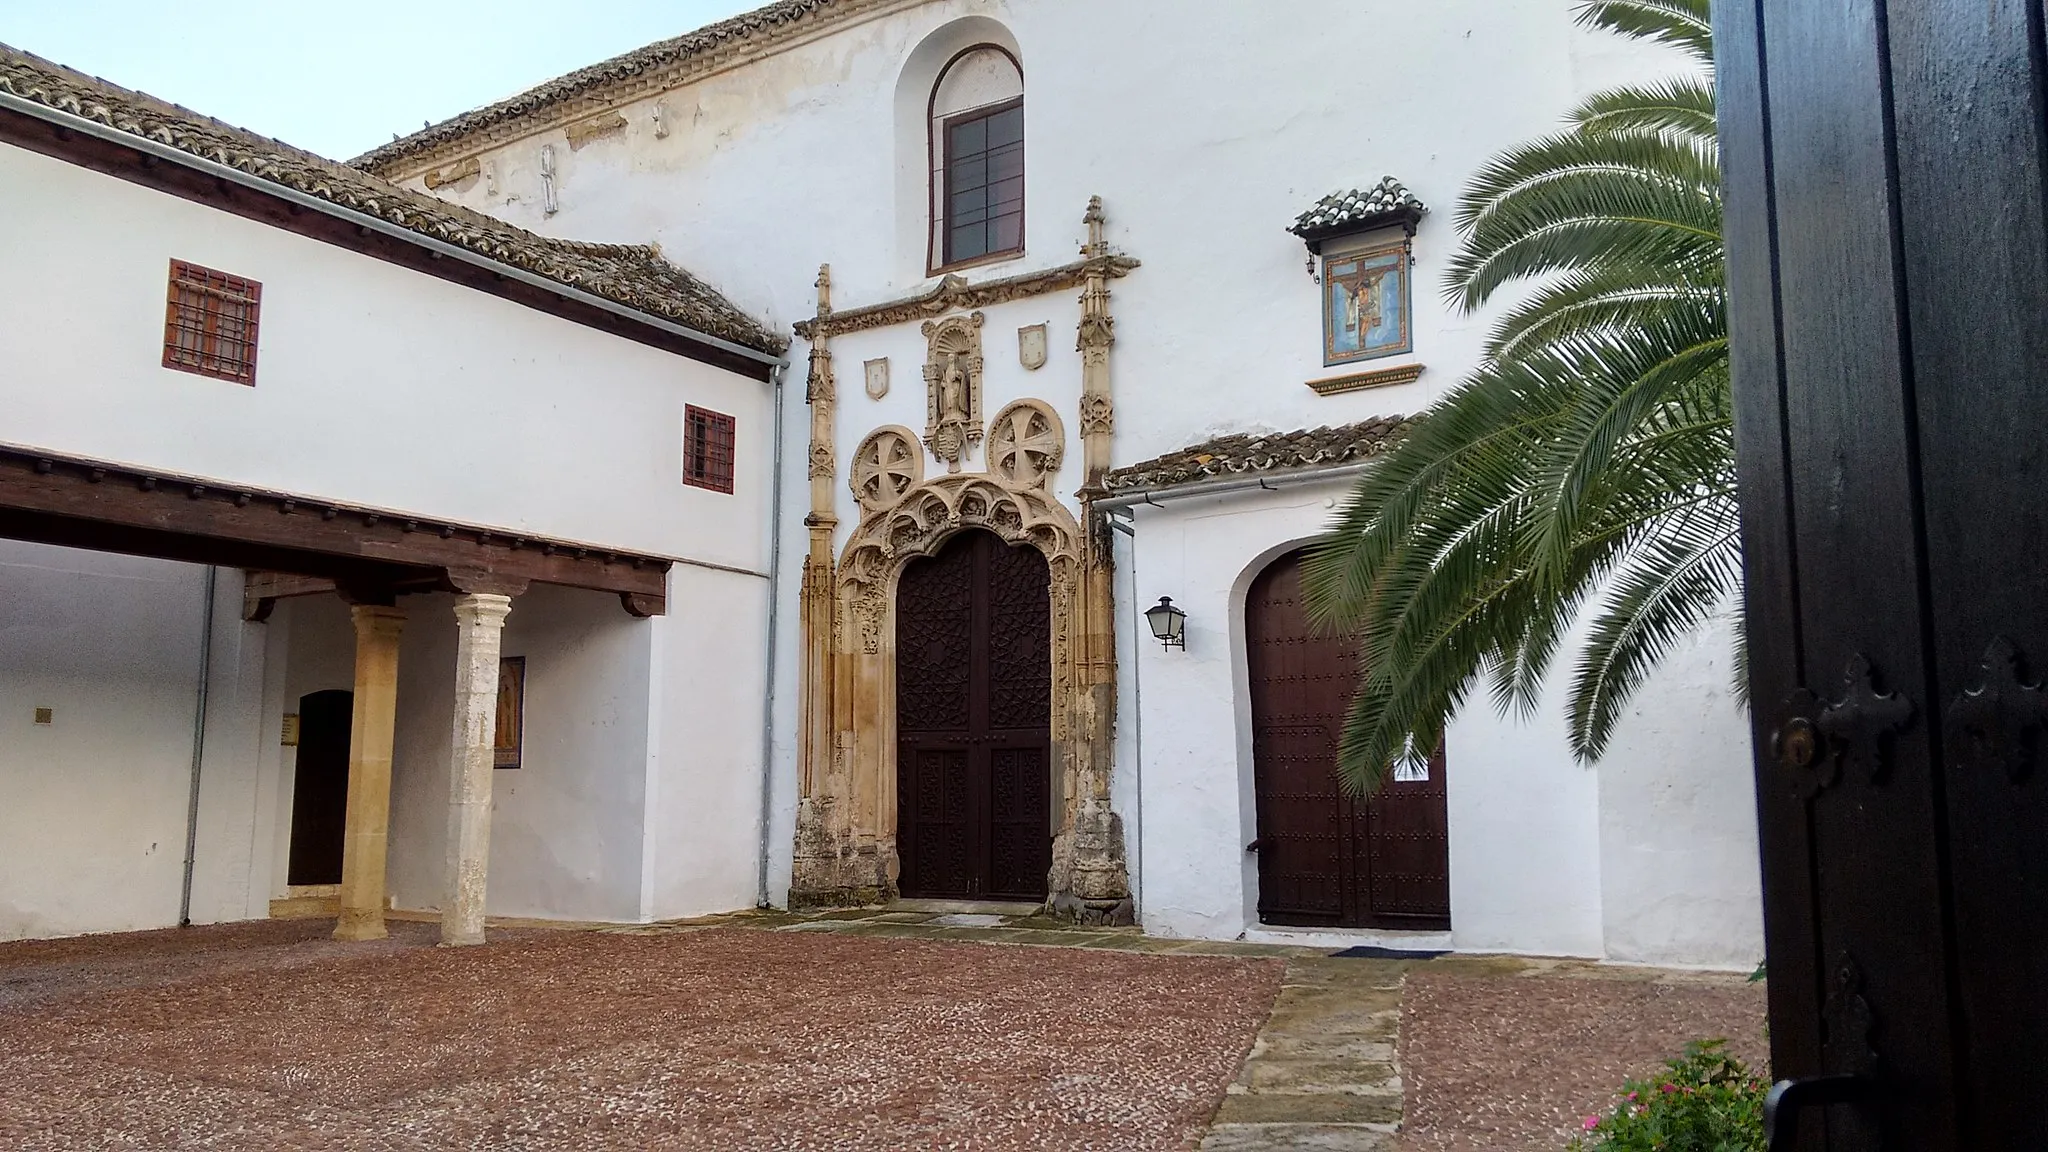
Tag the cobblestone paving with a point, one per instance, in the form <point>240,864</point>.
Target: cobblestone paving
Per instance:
<point>269,1036</point>
<point>1506,1055</point>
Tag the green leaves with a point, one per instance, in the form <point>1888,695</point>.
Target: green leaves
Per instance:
<point>1705,1101</point>
<point>1577,490</point>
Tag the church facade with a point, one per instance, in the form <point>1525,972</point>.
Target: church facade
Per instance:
<point>1089,310</point>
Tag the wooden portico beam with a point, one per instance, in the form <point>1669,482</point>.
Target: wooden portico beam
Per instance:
<point>120,508</point>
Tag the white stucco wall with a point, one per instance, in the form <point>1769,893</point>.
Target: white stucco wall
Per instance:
<point>375,384</point>
<point>1524,819</point>
<point>1205,131</point>
<point>1648,856</point>
<point>567,825</point>
<point>93,805</point>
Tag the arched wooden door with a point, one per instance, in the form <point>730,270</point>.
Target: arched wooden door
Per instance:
<point>1324,858</point>
<point>320,788</point>
<point>974,721</point>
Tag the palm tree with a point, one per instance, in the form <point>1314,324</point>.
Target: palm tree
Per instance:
<point>1587,464</point>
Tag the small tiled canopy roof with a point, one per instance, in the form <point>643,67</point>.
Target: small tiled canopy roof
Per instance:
<point>633,275</point>
<point>604,74</point>
<point>1250,453</point>
<point>1385,203</point>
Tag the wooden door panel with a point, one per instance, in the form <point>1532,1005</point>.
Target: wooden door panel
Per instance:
<point>974,734</point>
<point>1302,823</point>
<point>941,859</point>
<point>1020,803</point>
<point>1968,97</point>
<point>1319,849</point>
<point>1407,843</point>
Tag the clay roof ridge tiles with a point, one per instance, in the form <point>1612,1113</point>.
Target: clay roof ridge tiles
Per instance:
<point>633,275</point>
<point>1352,206</point>
<point>593,77</point>
<point>1239,453</point>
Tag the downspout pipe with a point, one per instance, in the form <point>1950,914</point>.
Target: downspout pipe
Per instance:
<point>1272,483</point>
<point>1126,524</point>
<point>198,747</point>
<point>779,376</point>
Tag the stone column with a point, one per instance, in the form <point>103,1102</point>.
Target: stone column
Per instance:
<point>822,836</point>
<point>480,620</point>
<point>1090,880</point>
<point>378,628</point>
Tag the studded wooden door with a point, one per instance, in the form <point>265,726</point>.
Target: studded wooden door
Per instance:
<point>974,722</point>
<point>1325,858</point>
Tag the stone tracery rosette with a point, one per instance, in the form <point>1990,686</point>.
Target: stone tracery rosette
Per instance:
<point>1026,443</point>
<point>886,466</point>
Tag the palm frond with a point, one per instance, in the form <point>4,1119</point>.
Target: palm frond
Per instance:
<point>1586,465</point>
<point>1685,24</point>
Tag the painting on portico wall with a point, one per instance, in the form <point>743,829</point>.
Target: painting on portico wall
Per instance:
<point>1365,304</point>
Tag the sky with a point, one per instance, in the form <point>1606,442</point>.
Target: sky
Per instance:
<point>339,79</point>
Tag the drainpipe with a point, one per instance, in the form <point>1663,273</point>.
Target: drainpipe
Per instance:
<point>780,374</point>
<point>1129,529</point>
<point>198,748</point>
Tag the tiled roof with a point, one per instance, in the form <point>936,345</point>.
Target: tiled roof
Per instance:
<point>1245,453</point>
<point>562,89</point>
<point>633,275</point>
<point>1386,201</point>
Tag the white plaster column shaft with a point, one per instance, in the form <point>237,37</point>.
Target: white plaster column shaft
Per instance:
<point>480,620</point>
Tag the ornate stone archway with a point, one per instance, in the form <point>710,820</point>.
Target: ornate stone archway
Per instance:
<point>845,850</point>
<point>846,821</point>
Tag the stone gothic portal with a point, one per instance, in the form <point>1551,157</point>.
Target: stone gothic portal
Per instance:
<point>974,721</point>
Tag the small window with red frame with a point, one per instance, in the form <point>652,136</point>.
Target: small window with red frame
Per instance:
<point>210,323</point>
<point>707,449</point>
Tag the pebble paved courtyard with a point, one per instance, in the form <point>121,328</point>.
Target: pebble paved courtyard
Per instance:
<point>867,1031</point>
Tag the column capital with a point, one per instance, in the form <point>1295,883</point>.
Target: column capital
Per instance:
<point>483,608</point>
<point>377,619</point>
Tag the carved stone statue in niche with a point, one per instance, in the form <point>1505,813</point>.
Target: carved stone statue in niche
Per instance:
<point>952,375</point>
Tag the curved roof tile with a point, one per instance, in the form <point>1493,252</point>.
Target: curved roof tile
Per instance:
<point>1256,452</point>
<point>633,275</point>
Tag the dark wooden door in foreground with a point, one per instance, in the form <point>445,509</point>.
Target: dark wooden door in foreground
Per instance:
<point>1887,231</point>
<point>1325,858</point>
<point>974,722</point>
<point>320,788</point>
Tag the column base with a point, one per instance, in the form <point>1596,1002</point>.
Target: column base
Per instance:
<point>356,926</point>
<point>1093,913</point>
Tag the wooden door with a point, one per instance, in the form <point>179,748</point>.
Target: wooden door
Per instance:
<point>1324,857</point>
<point>974,722</point>
<point>1888,280</point>
<point>320,788</point>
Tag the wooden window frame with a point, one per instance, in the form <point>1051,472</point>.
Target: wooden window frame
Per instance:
<point>938,170</point>
<point>713,477</point>
<point>512,682</point>
<point>215,289</point>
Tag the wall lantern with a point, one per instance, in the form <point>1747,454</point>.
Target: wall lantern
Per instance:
<point>1169,624</point>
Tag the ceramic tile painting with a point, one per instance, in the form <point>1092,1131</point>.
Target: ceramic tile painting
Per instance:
<point>1365,305</point>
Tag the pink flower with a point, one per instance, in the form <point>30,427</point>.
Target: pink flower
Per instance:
<point>1670,1088</point>
<point>1592,1122</point>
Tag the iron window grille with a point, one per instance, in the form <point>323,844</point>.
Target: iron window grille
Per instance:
<point>984,183</point>
<point>210,321</point>
<point>707,449</point>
